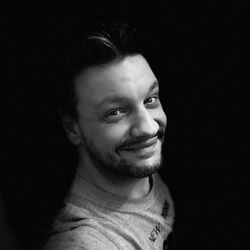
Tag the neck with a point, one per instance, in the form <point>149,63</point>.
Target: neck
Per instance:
<point>127,187</point>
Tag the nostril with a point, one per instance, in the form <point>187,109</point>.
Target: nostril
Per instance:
<point>146,127</point>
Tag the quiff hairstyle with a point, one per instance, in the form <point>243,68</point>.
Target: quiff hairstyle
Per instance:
<point>106,43</point>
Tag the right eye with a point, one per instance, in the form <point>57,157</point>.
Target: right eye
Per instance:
<point>114,115</point>
<point>115,112</point>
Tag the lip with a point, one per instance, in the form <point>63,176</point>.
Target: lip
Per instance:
<point>143,145</point>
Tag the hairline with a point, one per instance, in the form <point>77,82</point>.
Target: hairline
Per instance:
<point>118,59</point>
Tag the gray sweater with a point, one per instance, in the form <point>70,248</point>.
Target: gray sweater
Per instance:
<point>95,219</point>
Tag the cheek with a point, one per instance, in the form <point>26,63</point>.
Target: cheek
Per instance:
<point>164,118</point>
<point>160,116</point>
<point>106,136</point>
<point>114,133</point>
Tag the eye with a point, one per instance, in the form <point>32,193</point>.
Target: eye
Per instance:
<point>115,112</point>
<point>114,115</point>
<point>152,100</point>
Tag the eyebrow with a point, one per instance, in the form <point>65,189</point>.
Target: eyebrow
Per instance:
<point>154,85</point>
<point>121,98</point>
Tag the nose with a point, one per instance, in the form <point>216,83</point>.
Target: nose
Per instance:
<point>143,124</point>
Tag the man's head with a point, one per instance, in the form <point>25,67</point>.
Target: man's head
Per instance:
<point>116,119</point>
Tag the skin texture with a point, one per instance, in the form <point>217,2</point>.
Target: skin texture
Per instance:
<point>121,126</point>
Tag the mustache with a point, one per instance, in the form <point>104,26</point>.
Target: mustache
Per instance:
<point>134,141</point>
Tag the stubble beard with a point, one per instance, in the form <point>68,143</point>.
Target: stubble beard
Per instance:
<point>112,165</point>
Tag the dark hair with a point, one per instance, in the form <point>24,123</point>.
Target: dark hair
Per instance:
<point>105,43</point>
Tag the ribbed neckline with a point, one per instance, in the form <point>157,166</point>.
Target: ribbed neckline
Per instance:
<point>84,194</point>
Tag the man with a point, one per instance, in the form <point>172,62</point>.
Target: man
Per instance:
<point>115,119</point>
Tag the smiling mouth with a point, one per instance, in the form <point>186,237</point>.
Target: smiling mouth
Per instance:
<point>143,145</point>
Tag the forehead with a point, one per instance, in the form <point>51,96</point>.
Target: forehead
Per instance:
<point>130,78</point>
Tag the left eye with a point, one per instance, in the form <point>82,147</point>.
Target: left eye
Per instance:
<point>151,100</point>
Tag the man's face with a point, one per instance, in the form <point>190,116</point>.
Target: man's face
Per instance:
<point>121,118</point>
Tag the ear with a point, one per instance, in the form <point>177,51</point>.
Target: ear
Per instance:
<point>72,130</point>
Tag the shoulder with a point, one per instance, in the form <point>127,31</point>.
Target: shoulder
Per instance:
<point>84,238</point>
<point>164,196</point>
<point>162,188</point>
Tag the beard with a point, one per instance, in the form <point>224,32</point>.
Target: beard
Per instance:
<point>111,164</point>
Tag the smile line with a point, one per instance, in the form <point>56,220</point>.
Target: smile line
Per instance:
<point>141,145</point>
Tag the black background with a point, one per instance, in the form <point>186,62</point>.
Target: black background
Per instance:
<point>202,73</point>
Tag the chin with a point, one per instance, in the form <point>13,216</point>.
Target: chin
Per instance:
<point>145,169</point>
<point>145,159</point>
<point>152,162</point>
